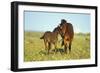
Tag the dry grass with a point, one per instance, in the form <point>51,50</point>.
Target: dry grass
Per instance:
<point>35,49</point>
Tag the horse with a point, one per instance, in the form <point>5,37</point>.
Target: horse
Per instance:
<point>51,38</point>
<point>67,34</point>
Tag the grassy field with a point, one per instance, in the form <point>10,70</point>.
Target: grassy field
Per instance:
<point>34,48</point>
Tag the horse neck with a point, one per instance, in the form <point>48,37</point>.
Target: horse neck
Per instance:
<point>55,33</point>
<point>65,28</point>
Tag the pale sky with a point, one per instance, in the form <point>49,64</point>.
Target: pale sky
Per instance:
<point>47,21</point>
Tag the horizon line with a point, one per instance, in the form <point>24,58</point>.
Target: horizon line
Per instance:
<point>51,31</point>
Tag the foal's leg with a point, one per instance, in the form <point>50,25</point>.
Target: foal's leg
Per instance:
<point>55,50</point>
<point>46,45</point>
<point>55,45</point>
<point>49,47</point>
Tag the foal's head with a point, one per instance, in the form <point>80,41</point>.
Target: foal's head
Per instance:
<point>58,30</point>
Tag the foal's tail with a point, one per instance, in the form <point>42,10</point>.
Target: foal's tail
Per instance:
<point>42,37</point>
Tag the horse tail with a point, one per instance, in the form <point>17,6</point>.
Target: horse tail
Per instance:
<point>42,37</point>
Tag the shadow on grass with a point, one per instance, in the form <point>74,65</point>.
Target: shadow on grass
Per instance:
<point>53,51</point>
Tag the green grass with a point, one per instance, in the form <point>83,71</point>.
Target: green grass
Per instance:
<point>34,48</point>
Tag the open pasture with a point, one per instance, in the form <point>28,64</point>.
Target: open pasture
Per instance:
<point>34,48</point>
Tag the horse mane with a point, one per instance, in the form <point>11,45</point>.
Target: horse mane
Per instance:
<point>55,29</point>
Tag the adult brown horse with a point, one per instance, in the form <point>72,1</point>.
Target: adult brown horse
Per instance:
<point>68,34</point>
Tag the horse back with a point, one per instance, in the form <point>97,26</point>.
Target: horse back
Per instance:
<point>49,37</point>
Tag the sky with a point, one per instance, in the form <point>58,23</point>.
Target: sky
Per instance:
<point>47,21</point>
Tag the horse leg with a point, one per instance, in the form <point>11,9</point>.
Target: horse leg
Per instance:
<point>65,48</point>
<point>46,45</point>
<point>55,50</point>
<point>69,47</point>
<point>62,43</point>
<point>65,45</point>
<point>49,47</point>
